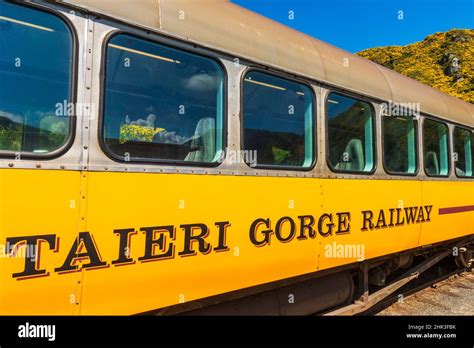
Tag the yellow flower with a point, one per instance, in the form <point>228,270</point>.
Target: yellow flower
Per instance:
<point>129,132</point>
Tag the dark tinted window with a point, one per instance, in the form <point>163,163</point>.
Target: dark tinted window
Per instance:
<point>278,121</point>
<point>463,152</point>
<point>350,134</point>
<point>400,144</point>
<point>161,104</point>
<point>36,50</point>
<point>436,148</point>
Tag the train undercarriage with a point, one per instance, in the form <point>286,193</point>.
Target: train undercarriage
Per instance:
<point>348,290</point>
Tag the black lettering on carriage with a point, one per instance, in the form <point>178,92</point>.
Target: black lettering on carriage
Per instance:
<point>85,241</point>
<point>278,229</point>
<point>329,225</point>
<point>265,233</point>
<point>367,216</point>
<point>306,226</point>
<point>410,214</point>
<point>162,241</point>
<point>124,246</point>
<point>32,255</point>
<point>221,246</point>
<point>190,238</point>
<point>391,217</point>
<point>151,241</point>
<point>344,223</point>
<point>399,222</point>
<point>428,209</point>
<point>421,216</point>
<point>381,221</point>
<point>398,217</point>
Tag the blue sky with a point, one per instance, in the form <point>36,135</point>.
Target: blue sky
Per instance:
<point>355,25</point>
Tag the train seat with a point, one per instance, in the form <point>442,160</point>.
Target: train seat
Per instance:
<point>354,154</point>
<point>432,164</point>
<point>203,142</point>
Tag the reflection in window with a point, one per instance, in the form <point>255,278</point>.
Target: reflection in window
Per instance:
<point>278,121</point>
<point>463,152</point>
<point>35,75</point>
<point>161,104</point>
<point>399,144</point>
<point>350,134</point>
<point>436,148</point>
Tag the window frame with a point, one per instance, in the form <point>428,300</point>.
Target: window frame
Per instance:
<point>453,151</point>
<point>159,40</point>
<point>417,149</point>
<point>294,79</point>
<point>445,124</point>
<point>73,88</point>
<point>374,132</point>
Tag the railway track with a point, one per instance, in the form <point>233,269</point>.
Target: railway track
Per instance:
<point>451,293</point>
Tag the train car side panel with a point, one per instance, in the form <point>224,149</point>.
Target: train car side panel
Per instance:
<point>379,223</point>
<point>165,203</point>
<point>41,204</point>
<point>453,210</point>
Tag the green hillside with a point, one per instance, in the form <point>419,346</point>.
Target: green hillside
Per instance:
<point>444,61</point>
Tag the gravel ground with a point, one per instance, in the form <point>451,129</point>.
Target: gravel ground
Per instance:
<point>454,296</point>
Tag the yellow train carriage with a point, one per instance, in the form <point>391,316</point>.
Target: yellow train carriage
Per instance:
<point>170,155</point>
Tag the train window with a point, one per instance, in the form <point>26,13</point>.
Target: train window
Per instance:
<point>463,152</point>
<point>36,64</point>
<point>400,145</point>
<point>436,148</point>
<point>161,104</point>
<point>278,121</point>
<point>351,137</point>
